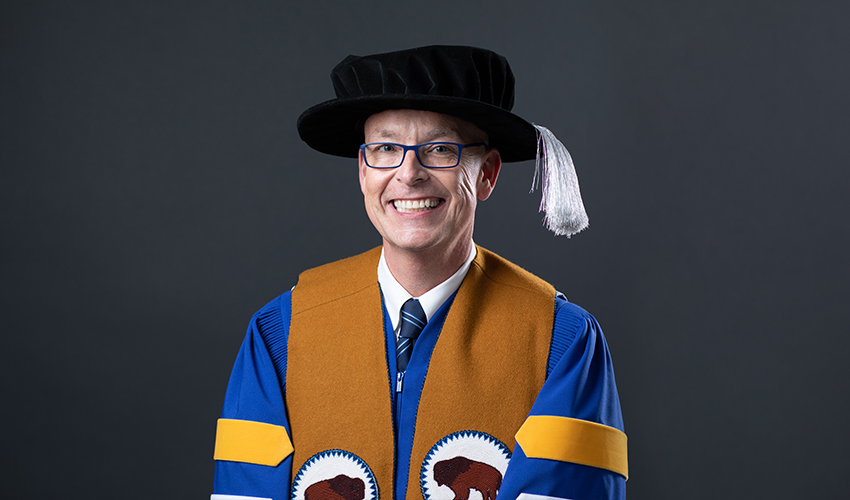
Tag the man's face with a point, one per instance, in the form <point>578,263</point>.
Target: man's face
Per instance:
<point>421,209</point>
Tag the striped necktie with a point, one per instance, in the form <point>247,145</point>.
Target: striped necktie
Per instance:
<point>412,322</point>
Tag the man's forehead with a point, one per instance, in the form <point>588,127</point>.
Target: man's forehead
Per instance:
<point>428,125</point>
<point>390,132</point>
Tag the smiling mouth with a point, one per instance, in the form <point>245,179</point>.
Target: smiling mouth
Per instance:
<point>413,206</point>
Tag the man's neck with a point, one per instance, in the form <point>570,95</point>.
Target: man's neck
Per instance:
<point>421,271</point>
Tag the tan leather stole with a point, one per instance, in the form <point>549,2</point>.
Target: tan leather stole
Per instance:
<point>487,367</point>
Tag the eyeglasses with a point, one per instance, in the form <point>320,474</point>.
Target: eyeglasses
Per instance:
<point>430,155</point>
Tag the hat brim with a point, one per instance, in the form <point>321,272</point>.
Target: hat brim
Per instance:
<point>335,127</point>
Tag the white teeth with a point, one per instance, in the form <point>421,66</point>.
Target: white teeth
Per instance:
<point>408,206</point>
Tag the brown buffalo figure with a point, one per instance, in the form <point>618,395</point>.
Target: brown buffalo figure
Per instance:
<point>341,487</point>
<point>462,475</point>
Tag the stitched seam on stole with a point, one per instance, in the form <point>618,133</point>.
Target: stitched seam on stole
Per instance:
<point>335,299</point>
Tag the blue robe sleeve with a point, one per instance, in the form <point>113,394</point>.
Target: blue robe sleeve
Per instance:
<point>256,393</point>
<point>580,386</point>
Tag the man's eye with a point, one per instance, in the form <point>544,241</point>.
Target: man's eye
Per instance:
<point>442,149</point>
<point>385,148</point>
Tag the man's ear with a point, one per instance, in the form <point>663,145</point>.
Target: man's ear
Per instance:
<point>362,168</point>
<point>491,163</point>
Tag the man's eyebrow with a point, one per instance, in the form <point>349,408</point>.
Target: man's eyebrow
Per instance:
<point>442,133</point>
<point>383,133</point>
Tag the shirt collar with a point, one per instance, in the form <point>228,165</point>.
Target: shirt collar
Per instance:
<point>395,295</point>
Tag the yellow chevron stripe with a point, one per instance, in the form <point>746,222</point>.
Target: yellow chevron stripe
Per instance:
<point>576,441</point>
<point>251,442</point>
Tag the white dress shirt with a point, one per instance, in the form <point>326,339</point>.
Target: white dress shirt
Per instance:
<point>395,295</point>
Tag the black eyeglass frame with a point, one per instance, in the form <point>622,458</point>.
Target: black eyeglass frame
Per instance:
<point>415,149</point>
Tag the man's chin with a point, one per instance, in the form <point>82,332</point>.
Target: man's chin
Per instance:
<point>415,246</point>
<point>415,243</point>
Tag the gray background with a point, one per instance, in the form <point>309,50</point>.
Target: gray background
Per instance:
<point>154,194</point>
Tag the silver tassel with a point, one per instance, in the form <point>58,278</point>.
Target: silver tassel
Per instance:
<point>561,199</point>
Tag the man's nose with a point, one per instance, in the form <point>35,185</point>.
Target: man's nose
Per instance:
<point>411,170</point>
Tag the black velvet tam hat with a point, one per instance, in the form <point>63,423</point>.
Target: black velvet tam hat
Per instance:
<point>473,84</point>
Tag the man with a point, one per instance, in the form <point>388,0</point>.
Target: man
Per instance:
<point>428,367</point>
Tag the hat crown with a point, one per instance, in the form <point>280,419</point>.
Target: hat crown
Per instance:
<point>437,70</point>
